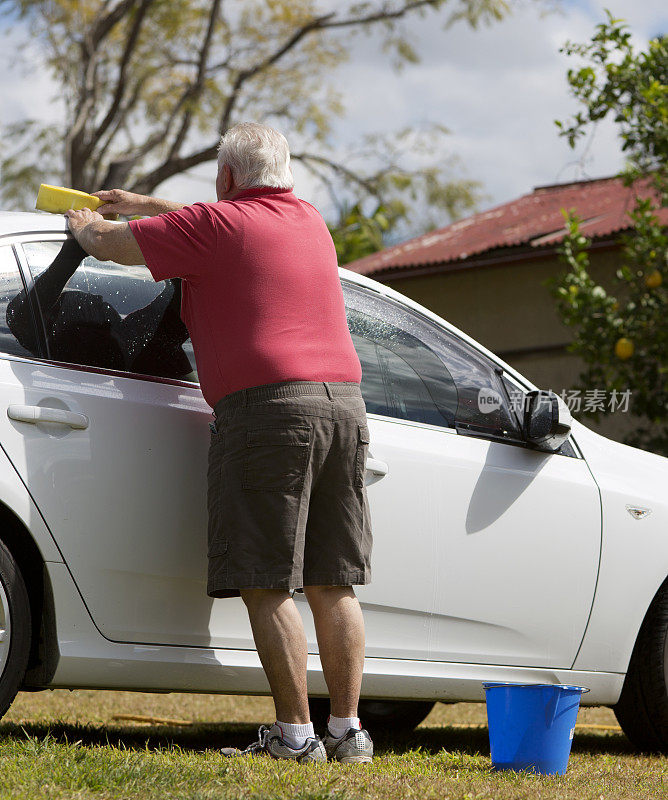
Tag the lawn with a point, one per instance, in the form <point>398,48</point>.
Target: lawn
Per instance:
<point>64,744</point>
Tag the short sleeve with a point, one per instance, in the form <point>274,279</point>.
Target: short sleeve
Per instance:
<point>178,244</point>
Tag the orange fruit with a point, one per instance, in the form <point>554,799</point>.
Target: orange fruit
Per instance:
<point>624,348</point>
<point>653,280</point>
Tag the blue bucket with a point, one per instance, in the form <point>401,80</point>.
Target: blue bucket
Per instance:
<point>531,726</point>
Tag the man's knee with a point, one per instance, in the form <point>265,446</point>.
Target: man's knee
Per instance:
<point>328,594</point>
<point>256,598</point>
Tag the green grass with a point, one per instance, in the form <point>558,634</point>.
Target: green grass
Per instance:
<point>64,744</point>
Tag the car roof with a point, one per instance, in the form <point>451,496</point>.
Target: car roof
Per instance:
<point>13,222</point>
<point>18,222</point>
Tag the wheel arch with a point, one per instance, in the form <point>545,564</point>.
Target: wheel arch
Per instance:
<point>663,587</point>
<point>43,647</point>
<point>642,708</point>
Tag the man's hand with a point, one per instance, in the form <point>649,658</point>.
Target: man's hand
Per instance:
<point>118,201</point>
<point>77,220</point>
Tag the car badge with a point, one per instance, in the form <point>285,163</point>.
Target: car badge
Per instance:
<point>638,513</point>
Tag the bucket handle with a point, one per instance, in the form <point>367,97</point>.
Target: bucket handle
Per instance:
<point>553,705</point>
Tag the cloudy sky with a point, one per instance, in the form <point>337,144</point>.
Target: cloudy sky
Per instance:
<point>498,90</point>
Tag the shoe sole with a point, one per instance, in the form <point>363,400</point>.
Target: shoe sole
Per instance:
<point>354,760</point>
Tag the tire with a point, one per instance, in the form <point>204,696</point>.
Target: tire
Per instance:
<point>400,715</point>
<point>642,710</point>
<point>15,622</point>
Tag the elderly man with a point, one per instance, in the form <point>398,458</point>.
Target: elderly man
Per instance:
<point>287,504</point>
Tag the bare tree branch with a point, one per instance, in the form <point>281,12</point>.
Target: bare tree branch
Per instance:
<point>246,74</point>
<point>130,44</point>
<point>365,183</point>
<point>196,88</point>
<point>147,184</point>
<point>326,181</point>
<point>105,23</point>
<point>104,145</point>
<point>379,16</point>
<point>98,62</point>
<point>171,165</point>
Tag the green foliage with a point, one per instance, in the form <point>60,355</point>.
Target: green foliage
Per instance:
<point>633,88</point>
<point>21,176</point>
<point>357,235</point>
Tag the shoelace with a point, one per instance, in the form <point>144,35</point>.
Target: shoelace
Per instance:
<point>260,745</point>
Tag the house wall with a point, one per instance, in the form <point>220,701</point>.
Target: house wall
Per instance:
<point>508,309</point>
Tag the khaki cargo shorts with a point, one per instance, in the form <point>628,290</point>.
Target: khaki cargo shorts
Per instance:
<point>286,499</point>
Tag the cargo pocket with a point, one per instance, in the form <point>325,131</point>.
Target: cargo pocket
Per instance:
<point>276,458</point>
<point>217,554</point>
<point>363,442</point>
<point>215,459</point>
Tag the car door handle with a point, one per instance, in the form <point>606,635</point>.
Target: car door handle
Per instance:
<point>376,467</point>
<point>35,414</point>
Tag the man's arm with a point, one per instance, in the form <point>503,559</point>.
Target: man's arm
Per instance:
<point>176,244</point>
<point>118,201</point>
<point>105,240</point>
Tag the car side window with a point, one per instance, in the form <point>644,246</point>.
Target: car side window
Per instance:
<point>401,376</point>
<point>18,334</point>
<point>103,314</point>
<point>413,369</point>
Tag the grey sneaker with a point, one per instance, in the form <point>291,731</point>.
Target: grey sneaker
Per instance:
<point>354,747</point>
<point>270,741</point>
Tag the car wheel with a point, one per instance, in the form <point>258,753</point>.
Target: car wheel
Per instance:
<point>15,628</point>
<point>400,715</point>
<point>642,710</point>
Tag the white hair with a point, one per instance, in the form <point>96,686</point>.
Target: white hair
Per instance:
<point>257,155</point>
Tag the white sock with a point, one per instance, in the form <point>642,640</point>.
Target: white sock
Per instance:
<point>339,725</point>
<point>295,736</point>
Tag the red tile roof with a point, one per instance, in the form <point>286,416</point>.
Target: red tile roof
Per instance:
<point>534,220</point>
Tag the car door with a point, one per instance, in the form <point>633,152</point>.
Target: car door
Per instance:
<point>407,393</point>
<point>513,534</point>
<point>121,479</point>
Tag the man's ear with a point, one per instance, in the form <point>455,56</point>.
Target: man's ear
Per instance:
<point>227,178</point>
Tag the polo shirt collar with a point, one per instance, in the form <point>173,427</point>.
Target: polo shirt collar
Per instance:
<point>258,191</point>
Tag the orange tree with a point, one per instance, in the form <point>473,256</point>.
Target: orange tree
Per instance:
<point>622,335</point>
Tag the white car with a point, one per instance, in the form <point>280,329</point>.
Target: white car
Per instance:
<point>510,544</point>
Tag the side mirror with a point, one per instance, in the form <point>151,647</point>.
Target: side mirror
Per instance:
<point>547,420</point>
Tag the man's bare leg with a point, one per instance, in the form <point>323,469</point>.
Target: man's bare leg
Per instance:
<point>281,644</point>
<point>339,626</point>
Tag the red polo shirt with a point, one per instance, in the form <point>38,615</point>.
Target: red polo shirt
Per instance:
<point>261,296</point>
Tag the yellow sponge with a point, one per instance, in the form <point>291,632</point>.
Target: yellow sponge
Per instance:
<point>58,200</point>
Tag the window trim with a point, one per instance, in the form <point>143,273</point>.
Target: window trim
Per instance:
<point>35,313</point>
<point>117,373</point>
<point>29,283</point>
